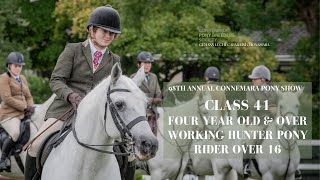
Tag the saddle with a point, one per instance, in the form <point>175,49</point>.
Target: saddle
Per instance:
<point>51,141</point>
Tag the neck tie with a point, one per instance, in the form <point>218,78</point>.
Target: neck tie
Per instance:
<point>97,55</point>
<point>147,78</point>
<point>19,81</point>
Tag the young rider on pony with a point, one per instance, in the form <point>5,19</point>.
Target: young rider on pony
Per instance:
<point>150,86</point>
<point>80,67</point>
<point>260,76</point>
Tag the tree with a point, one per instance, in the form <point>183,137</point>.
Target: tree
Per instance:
<point>169,28</point>
<point>7,18</point>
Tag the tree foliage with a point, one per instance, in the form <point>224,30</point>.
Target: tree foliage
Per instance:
<point>169,28</point>
<point>8,19</point>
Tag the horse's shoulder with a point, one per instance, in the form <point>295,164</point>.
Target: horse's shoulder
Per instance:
<point>132,75</point>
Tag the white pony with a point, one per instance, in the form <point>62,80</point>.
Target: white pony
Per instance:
<point>274,167</point>
<point>37,119</point>
<point>114,109</point>
<point>171,161</point>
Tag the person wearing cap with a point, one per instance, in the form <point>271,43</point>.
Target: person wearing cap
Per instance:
<point>260,76</point>
<point>17,103</point>
<point>79,68</point>
<point>212,76</point>
<point>150,86</point>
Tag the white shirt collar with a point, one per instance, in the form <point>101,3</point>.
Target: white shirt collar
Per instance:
<point>93,49</point>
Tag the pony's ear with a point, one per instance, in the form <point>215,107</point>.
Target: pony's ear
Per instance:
<point>116,72</point>
<point>298,93</point>
<point>139,76</point>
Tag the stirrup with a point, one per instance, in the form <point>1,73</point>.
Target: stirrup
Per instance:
<point>297,174</point>
<point>6,165</point>
<point>246,171</point>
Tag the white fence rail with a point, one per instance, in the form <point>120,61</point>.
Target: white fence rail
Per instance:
<point>302,166</point>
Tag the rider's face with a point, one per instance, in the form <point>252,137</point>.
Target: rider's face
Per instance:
<point>15,69</point>
<point>258,82</point>
<point>147,66</point>
<point>103,37</point>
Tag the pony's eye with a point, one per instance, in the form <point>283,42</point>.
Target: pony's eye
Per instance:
<point>120,105</point>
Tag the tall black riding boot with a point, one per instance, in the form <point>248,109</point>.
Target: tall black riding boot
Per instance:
<point>30,167</point>
<point>5,162</point>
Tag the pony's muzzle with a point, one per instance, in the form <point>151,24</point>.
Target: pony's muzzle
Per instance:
<point>148,147</point>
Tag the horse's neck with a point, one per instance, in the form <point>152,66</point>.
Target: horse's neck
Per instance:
<point>89,124</point>
<point>184,110</point>
<point>40,112</point>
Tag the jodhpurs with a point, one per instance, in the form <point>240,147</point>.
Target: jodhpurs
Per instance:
<point>12,126</point>
<point>37,143</point>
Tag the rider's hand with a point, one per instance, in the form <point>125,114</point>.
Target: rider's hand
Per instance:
<point>29,109</point>
<point>156,100</point>
<point>74,99</point>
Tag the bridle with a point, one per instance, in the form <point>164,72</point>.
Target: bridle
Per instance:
<point>126,136</point>
<point>292,146</point>
<point>289,147</point>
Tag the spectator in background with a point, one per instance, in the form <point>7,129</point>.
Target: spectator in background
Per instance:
<point>150,86</point>
<point>17,103</point>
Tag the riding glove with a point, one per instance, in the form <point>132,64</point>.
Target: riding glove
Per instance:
<point>74,99</point>
<point>29,109</point>
<point>155,100</point>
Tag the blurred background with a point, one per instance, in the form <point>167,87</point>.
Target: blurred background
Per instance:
<point>170,30</point>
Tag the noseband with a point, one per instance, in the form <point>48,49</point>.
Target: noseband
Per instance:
<point>291,146</point>
<point>126,136</point>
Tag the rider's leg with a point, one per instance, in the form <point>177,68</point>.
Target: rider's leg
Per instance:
<point>12,127</point>
<point>34,147</point>
<point>5,163</point>
<point>30,167</point>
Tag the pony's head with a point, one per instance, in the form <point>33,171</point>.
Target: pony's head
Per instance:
<point>125,113</point>
<point>288,105</point>
<point>205,102</point>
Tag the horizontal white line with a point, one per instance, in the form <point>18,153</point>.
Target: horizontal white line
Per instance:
<point>315,142</point>
<point>309,166</point>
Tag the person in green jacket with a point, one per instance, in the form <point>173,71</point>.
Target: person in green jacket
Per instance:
<point>260,76</point>
<point>150,86</point>
<point>79,68</point>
